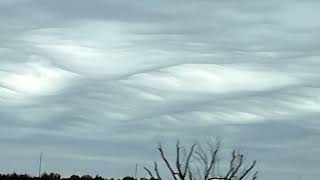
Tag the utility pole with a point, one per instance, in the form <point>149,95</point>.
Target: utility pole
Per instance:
<point>136,172</point>
<point>40,164</point>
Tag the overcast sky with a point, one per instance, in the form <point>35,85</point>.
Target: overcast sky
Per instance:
<point>95,84</point>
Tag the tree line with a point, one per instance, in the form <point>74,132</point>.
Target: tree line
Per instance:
<point>56,176</point>
<point>197,162</point>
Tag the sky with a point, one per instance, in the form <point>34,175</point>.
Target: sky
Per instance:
<point>94,85</point>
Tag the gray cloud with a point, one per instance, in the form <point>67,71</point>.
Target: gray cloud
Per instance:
<point>94,85</point>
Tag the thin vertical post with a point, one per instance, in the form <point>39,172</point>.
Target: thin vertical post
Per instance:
<point>136,172</point>
<point>40,164</point>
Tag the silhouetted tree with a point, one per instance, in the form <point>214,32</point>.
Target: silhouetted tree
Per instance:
<point>44,176</point>
<point>98,178</point>
<point>128,178</point>
<point>86,177</point>
<point>198,163</point>
<point>75,177</point>
<point>54,176</point>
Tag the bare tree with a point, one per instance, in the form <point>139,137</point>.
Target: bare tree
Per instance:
<point>199,163</point>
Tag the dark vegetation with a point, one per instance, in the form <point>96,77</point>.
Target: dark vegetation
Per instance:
<point>55,176</point>
<point>197,162</point>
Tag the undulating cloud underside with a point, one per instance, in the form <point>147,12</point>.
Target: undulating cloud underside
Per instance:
<point>95,84</point>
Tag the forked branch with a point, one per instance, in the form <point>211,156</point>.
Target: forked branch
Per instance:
<point>207,160</point>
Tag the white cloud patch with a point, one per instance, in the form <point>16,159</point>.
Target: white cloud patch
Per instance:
<point>104,52</point>
<point>22,82</point>
<point>211,78</point>
<point>35,79</point>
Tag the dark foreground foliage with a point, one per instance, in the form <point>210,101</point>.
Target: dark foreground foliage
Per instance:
<point>55,176</point>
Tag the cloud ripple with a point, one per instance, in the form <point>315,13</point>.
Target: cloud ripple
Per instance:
<point>95,85</point>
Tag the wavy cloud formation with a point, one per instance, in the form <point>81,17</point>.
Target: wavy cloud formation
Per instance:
<point>94,85</point>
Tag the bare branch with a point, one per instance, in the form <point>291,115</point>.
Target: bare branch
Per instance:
<point>238,167</point>
<point>204,165</point>
<point>178,165</point>
<point>167,162</point>
<point>157,171</point>
<point>248,170</point>
<point>149,172</point>
<point>231,164</point>
<point>255,176</point>
<point>211,165</point>
<point>202,158</point>
<point>188,160</point>
<point>203,153</point>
